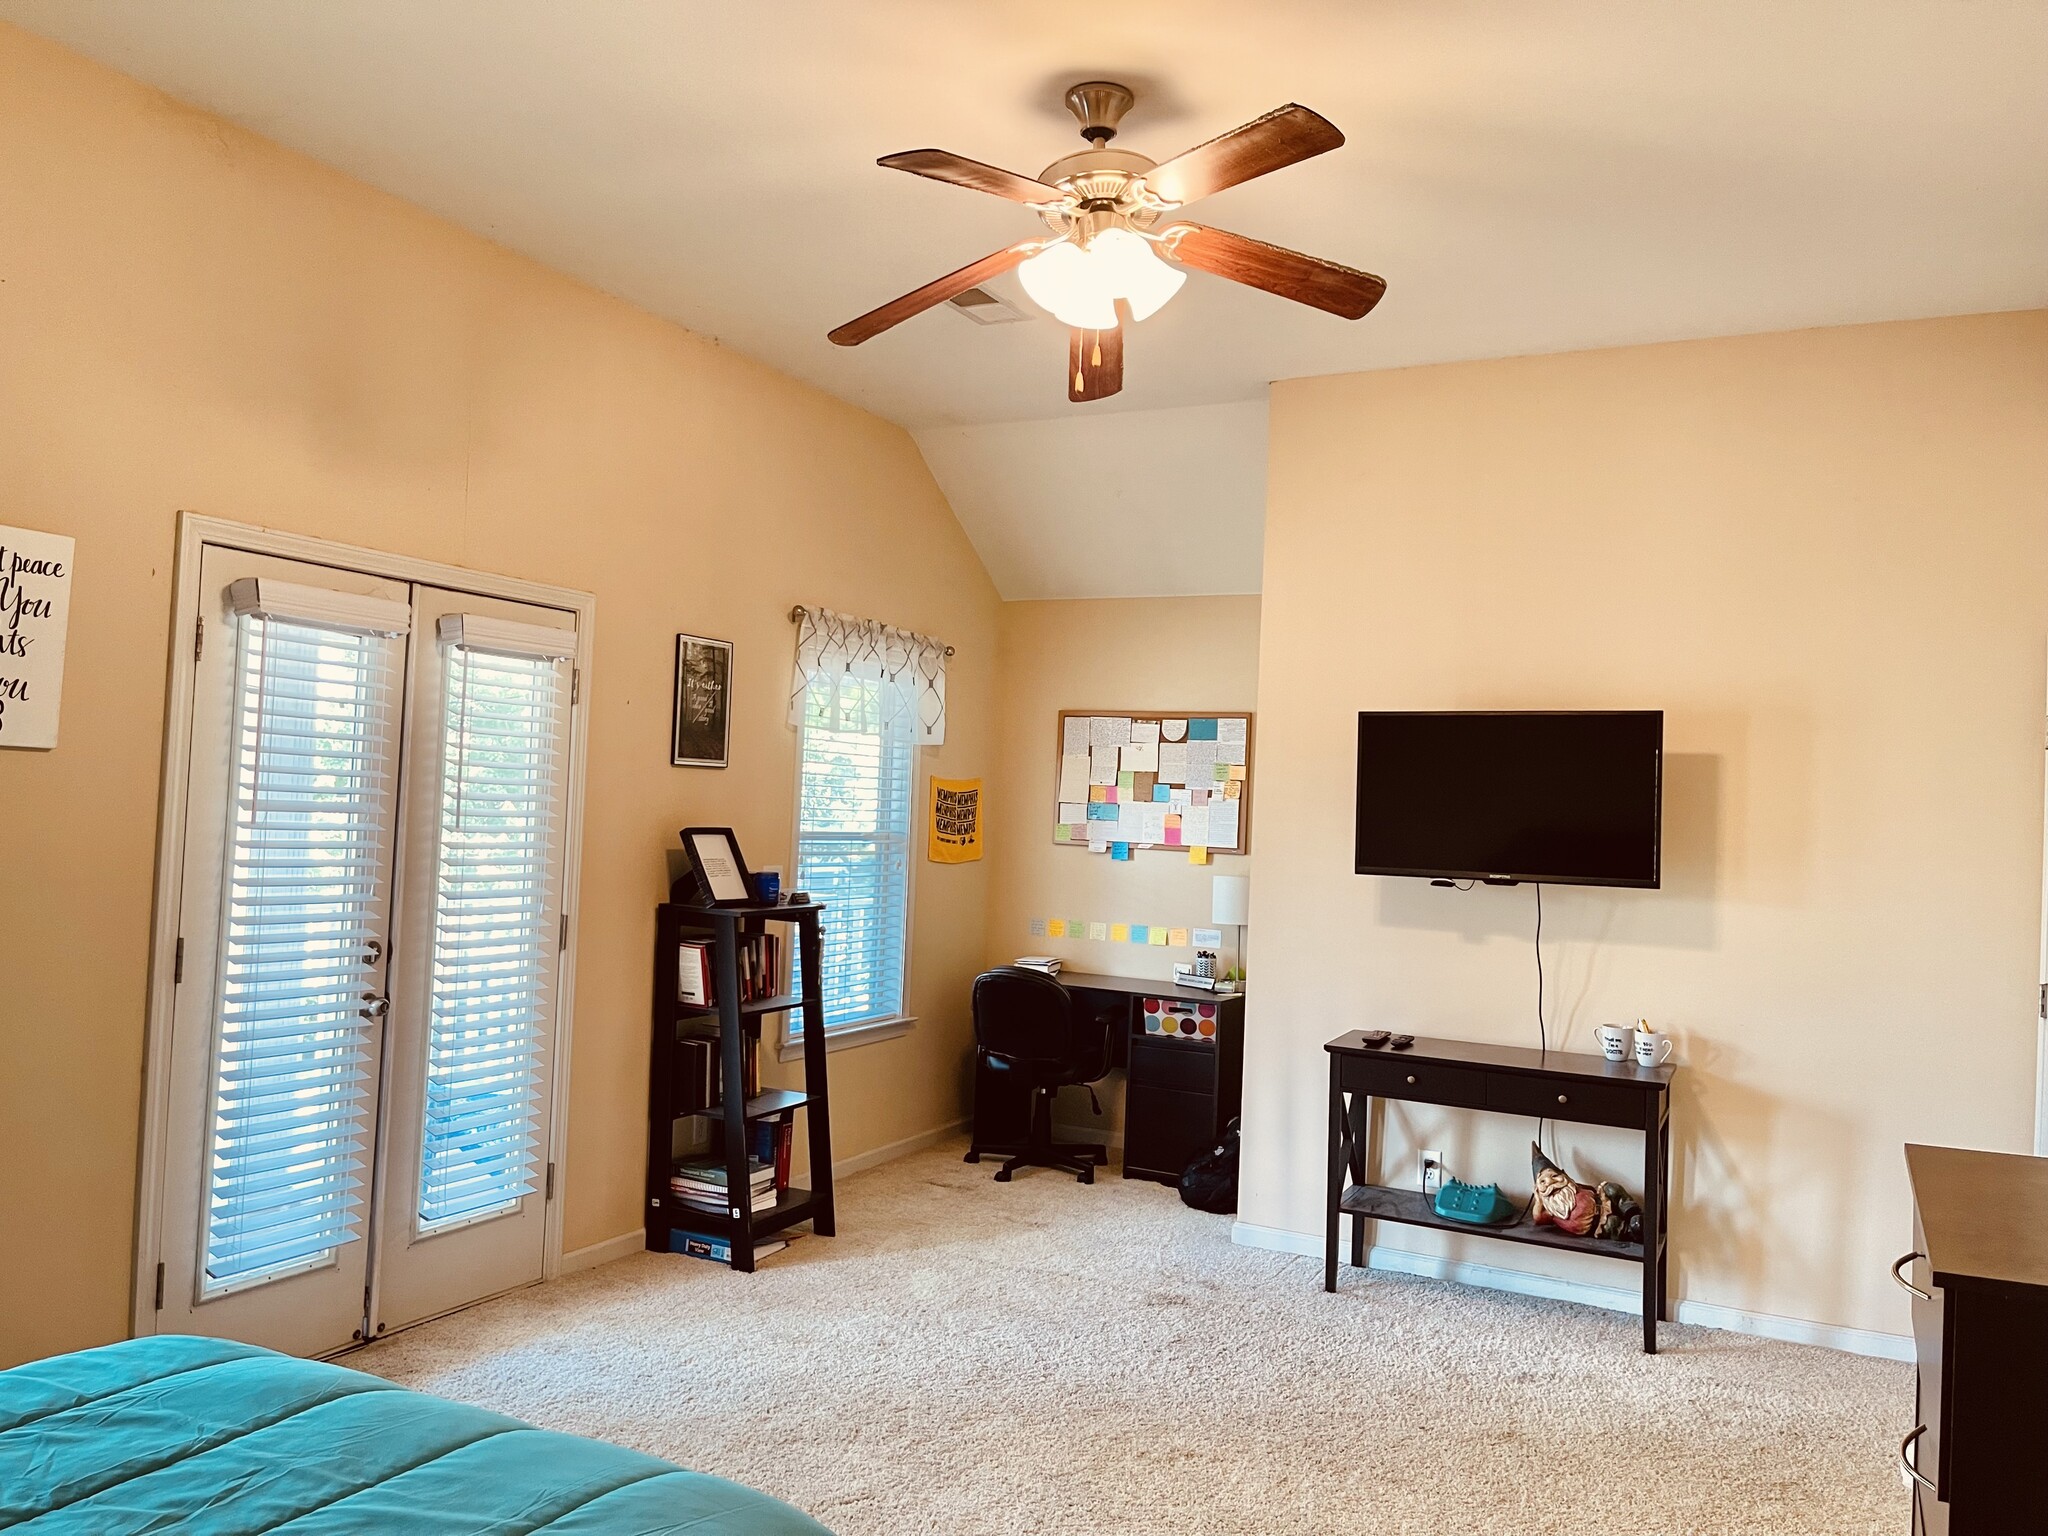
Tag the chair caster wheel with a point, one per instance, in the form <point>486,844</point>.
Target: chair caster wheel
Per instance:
<point>972,1157</point>
<point>1002,1175</point>
<point>1087,1175</point>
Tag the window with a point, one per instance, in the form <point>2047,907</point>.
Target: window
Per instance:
<point>856,752</point>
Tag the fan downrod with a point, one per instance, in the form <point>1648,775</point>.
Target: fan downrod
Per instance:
<point>1099,105</point>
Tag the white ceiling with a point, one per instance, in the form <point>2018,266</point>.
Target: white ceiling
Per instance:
<point>1528,177</point>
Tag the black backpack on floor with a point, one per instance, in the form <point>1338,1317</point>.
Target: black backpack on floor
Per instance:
<point>1210,1181</point>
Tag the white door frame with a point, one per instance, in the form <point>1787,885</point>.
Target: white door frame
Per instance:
<point>195,531</point>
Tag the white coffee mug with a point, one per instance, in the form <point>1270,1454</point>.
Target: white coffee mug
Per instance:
<point>1613,1041</point>
<point>1652,1049</point>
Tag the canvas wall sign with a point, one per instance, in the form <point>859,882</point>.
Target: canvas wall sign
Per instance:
<point>35,610</point>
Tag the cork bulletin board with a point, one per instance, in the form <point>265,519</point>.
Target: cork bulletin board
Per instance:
<point>1134,780</point>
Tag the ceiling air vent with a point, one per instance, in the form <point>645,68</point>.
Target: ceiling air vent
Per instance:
<point>984,308</point>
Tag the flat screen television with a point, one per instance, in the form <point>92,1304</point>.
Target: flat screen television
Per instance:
<point>1557,798</point>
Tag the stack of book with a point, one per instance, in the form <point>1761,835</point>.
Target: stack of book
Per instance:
<point>702,1181</point>
<point>1045,963</point>
<point>760,965</point>
<point>700,1071</point>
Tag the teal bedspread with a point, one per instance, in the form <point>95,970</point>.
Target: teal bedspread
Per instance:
<point>212,1438</point>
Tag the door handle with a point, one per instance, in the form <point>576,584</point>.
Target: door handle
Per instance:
<point>378,1006</point>
<point>1908,1453</point>
<point>1901,1263</point>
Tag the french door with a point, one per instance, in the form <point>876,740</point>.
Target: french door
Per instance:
<point>370,927</point>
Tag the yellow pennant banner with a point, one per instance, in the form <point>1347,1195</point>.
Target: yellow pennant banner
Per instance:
<point>955,821</point>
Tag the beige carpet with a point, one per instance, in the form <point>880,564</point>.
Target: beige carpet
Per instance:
<point>971,1358</point>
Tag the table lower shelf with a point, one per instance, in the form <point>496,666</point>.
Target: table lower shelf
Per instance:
<point>1412,1207</point>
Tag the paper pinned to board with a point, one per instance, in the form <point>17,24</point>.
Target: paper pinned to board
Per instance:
<point>1173,762</point>
<point>1223,825</point>
<point>1173,730</point>
<point>1074,735</point>
<point>1231,730</point>
<point>1102,765</point>
<point>1201,762</point>
<point>1194,824</point>
<point>1144,733</point>
<point>1229,751</point>
<point>1074,776</point>
<point>1098,842</point>
<point>1141,758</point>
<point>1073,811</point>
<point>1109,730</point>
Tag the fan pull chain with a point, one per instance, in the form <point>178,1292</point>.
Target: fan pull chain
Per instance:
<point>1079,382</point>
<point>1096,361</point>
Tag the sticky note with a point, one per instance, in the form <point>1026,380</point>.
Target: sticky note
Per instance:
<point>1140,934</point>
<point>1172,838</point>
<point>1198,855</point>
<point>1101,931</point>
<point>1119,933</point>
<point>1076,926</point>
<point>1056,928</point>
<point>1120,851</point>
<point>1234,790</point>
<point>1126,780</point>
<point>1161,793</point>
<point>1201,730</point>
<point>1222,772</point>
<point>1178,938</point>
<point>1063,833</point>
<point>1038,927</point>
<point>1073,774</point>
<point>1101,810</point>
<point>1158,937</point>
<point>1237,771</point>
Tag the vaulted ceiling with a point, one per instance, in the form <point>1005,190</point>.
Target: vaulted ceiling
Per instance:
<point>1527,177</point>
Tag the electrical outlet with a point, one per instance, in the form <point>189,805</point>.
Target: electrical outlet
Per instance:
<point>1432,1172</point>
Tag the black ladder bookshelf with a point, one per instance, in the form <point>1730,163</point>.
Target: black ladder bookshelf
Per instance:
<point>723,929</point>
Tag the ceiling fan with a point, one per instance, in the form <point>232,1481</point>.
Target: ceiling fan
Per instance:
<point>1113,214</point>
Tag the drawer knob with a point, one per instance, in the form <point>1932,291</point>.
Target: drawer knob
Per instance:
<point>1563,1098</point>
<point>1909,1285</point>
<point>1411,1079</point>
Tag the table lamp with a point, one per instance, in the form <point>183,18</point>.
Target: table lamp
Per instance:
<point>1229,904</point>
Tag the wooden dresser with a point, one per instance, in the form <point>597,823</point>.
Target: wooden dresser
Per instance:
<point>1979,1277</point>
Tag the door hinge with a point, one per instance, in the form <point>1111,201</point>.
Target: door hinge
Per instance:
<point>178,964</point>
<point>564,942</point>
<point>551,1183</point>
<point>575,685</point>
<point>2044,999</point>
<point>199,637</point>
<point>159,1287</point>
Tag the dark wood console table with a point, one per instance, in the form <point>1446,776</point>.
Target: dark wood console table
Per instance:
<point>1557,1085</point>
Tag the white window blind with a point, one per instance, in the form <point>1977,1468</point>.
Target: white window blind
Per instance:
<point>496,921</point>
<point>856,756</point>
<point>310,812</point>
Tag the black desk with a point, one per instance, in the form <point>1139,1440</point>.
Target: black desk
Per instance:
<point>1181,1090</point>
<point>1557,1085</point>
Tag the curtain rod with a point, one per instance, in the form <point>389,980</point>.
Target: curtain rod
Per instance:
<point>799,613</point>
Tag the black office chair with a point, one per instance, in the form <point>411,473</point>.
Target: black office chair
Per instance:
<point>1028,1025</point>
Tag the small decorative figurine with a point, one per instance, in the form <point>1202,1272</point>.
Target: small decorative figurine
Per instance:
<point>1583,1210</point>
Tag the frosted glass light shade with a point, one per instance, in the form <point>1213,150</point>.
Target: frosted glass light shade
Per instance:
<point>1229,900</point>
<point>1081,287</point>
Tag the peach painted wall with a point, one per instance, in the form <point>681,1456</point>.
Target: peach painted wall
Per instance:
<point>197,319</point>
<point>1825,555</point>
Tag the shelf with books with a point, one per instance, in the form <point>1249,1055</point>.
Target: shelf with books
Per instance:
<point>717,973</point>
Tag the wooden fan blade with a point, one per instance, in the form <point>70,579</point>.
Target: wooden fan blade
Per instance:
<point>944,165</point>
<point>1305,279</point>
<point>1095,363</point>
<point>1281,138</point>
<point>916,302</point>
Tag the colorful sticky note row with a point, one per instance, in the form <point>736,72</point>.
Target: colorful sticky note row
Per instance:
<point>1114,933</point>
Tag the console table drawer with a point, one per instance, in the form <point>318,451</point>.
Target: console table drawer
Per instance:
<point>1423,1082</point>
<point>1590,1103</point>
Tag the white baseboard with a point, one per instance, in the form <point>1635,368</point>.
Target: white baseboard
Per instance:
<point>602,1253</point>
<point>633,1242</point>
<point>1521,1282</point>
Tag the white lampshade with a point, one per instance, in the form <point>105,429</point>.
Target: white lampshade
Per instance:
<point>1081,287</point>
<point>1229,900</point>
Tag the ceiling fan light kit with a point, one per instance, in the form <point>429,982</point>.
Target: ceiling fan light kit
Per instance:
<point>1112,213</point>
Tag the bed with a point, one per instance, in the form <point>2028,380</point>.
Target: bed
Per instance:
<point>213,1438</point>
